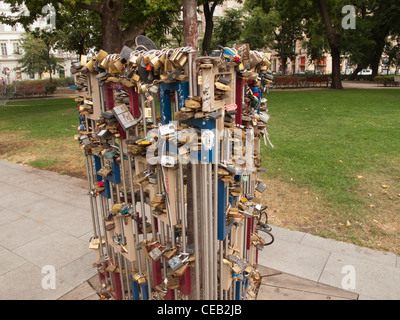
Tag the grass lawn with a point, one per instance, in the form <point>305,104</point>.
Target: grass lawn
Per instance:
<point>40,133</point>
<point>337,154</point>
<point>334,171</point>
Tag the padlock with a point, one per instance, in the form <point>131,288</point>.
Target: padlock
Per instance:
<point>179,58</point>
<point>168,66</point>
<point>175,263</point>
<point>142,279</point>
<point>261,186</point>
<point>118,65</point>
<point>222,86</point>
<point>242,264</point>
<point>101,56</point>
<point>155,253</point>
<point>172,282</point>
<point>145,249</point>
<point>105,171</point>
<point>134,59</point>
<point>236,269</point>
<point>154,60</point>
<point>169,252</point>
<point>126,53</point>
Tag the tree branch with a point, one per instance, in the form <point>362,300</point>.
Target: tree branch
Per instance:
<point>93,6</point>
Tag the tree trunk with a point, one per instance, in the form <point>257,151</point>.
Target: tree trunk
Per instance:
<point>190,34</point>
<point>336,76</point>
<point>354,74</point>
<point>333,40</point>
<point>284,65</point>
<point>376,58</point>
<point>111,10</point>
<point>208,15</point>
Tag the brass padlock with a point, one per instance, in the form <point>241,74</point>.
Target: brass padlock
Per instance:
<point>142,279</point>
<point>154,60</point>
<point>179,58</point>
<point>118,65</point>
<point>168,66</point>
<point>101,56</point>
<point>172,282</point>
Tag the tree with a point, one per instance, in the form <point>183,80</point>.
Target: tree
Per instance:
<point>279,18</point>
<point>259,28</point>
<point>315,41</point>
<point>385,20</point>
<point>229,28</point>
<point>392,50</point>
<point>377,20</point>
<point>121,20</point>
<point>37,56</point>
<point>78,31</point>
<point>333,40</point>
<point>208,10</point>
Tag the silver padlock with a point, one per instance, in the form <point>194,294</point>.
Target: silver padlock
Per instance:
<point>261,186</point>
<point>155,254</point>
<point>242,264</point>
<point>176,262</point>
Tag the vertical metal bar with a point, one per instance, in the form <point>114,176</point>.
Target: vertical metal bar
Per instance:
<point>204,201</point>
<point>211,241</point>
<point>182,202</point>
<point>91,198</point>
<point>215,210</point>
<point>196,231</point>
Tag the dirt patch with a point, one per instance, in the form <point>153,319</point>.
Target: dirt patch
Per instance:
<point>381,197</point>
<point>67,157</point>
<point>293,207</point>
<point>376,224</point>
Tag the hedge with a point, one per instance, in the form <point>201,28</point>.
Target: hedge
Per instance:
<point>387,81</point>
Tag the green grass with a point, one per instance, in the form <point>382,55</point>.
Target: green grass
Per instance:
<point>325,139</point>
<point>40,133</point>
<point>43,163</point>
<point>40,119</point>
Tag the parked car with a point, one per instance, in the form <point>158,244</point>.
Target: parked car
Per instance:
<point>314,72</point>
<point>365,72</point>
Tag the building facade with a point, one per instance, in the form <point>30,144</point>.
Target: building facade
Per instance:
<point>11,52</point>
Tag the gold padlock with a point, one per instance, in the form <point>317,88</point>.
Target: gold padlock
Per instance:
<point>101,56</point>
<point>154,60</point>
<point>90,65</point>
<point>104,63</point>
<point>173,282</point>
<point>168,66</point>
<point>142,280</point>
<point>119,66</point>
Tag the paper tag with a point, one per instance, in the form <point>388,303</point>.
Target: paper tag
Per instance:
<point>124,117</point>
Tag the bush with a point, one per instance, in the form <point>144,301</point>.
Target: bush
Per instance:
<point>65,82</point>
<point>50,88</point>
<point>386,80</point>
<point>358,77</point>
<point>58,82</point>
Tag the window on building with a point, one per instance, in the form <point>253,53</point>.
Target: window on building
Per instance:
<point>14,28</point>
<point>3,47</point>
<point>16,48</point>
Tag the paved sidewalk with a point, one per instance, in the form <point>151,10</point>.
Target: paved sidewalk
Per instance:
<point>45,221</point>
<point>324,261</point>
